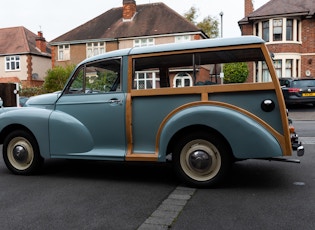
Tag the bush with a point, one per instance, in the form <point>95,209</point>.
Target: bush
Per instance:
<point>235,72</point>
<point>56,78</point>
<point>31,91</point>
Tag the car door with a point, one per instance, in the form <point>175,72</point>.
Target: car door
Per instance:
<point>89,118</point>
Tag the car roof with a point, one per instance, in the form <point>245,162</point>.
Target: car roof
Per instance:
<point>196,44</point>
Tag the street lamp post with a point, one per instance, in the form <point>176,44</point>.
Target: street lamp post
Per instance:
<point>221,73</point>
<point>221,15</point>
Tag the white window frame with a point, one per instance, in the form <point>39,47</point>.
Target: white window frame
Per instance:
<point>291,30</point>
<point>64,52</point>
<point>140,42</point>
<point>267,23</point>
<point>277,29</point>
<point>278,64</point>
<point>95,48</point>
<point>295,62</point>
<point>182,76</point>
<point>182,38</point>
<point>148,77</point>
<point>13,63</point>
<point>296,30</point>
<point>281,70</point>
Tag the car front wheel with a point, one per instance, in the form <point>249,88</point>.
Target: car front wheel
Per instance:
<point>21,153</point>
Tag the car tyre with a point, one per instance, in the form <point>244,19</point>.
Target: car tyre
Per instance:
<point>202,159</point>
<point>21,153</point>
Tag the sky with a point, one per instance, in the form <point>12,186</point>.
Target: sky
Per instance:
<point>56,17</point>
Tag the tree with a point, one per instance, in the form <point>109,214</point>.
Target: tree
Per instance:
<point>209,25</point>
<point>235,72</point>
<point>57,77</point>
<point>191,15</point>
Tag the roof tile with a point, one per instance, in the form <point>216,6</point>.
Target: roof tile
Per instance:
<point>283,7</point>
<point>19,40</point>
<point>150,19</point>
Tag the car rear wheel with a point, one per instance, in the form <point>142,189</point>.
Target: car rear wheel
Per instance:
<point>202,159</point>
<point>21,153</point>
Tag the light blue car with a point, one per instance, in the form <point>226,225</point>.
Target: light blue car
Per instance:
<point>159,103</point>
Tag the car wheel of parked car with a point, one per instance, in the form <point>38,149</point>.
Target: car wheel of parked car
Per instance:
<point>202,159</point>
<point>21,153</point>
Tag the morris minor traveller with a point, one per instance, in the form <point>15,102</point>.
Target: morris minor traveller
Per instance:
<point>157,103</point>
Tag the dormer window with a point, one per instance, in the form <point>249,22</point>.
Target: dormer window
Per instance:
<point>279,30</point>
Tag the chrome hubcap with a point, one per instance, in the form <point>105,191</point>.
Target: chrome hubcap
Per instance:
<point>20,154</point>
<point>200,161</point>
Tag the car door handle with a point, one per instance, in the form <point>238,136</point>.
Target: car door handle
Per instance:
<point>114,101</point>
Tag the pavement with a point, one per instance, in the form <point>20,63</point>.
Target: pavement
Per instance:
<point>302,115</point>
<point>300,112</point>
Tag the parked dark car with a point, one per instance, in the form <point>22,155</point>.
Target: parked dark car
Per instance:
<point>298,90</point>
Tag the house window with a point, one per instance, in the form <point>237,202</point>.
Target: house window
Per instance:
<point>289,31</point>
<point>296,69</point>
<point>182,38</point>
<point>147,80</point>
<point>285,67</point>
<point>297,34</point>
<point>277,29</point>
<point>95,48</point>
<point>265,34</point>
<point>182,79</point>
<point>63,52</point>
<point>288,68</point>
<point>265,73</point>
<point>12,63</point>
<point>278,67</point>
<point>256,29</point>
<point>143,42</point>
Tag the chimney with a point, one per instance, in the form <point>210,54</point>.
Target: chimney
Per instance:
<point>41,42</point>
<point>129,9</point>
<point>249,7</point>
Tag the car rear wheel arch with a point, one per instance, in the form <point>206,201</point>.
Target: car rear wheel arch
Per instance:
<point>194,129</point>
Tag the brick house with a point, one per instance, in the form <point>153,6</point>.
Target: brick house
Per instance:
<point>24,56</point>
<point>123,27</point>
<point>288,27</point>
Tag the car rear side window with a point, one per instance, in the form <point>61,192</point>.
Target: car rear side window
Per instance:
<point>304,83</point>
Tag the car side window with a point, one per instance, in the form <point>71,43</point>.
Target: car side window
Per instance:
<point>96,77</point>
